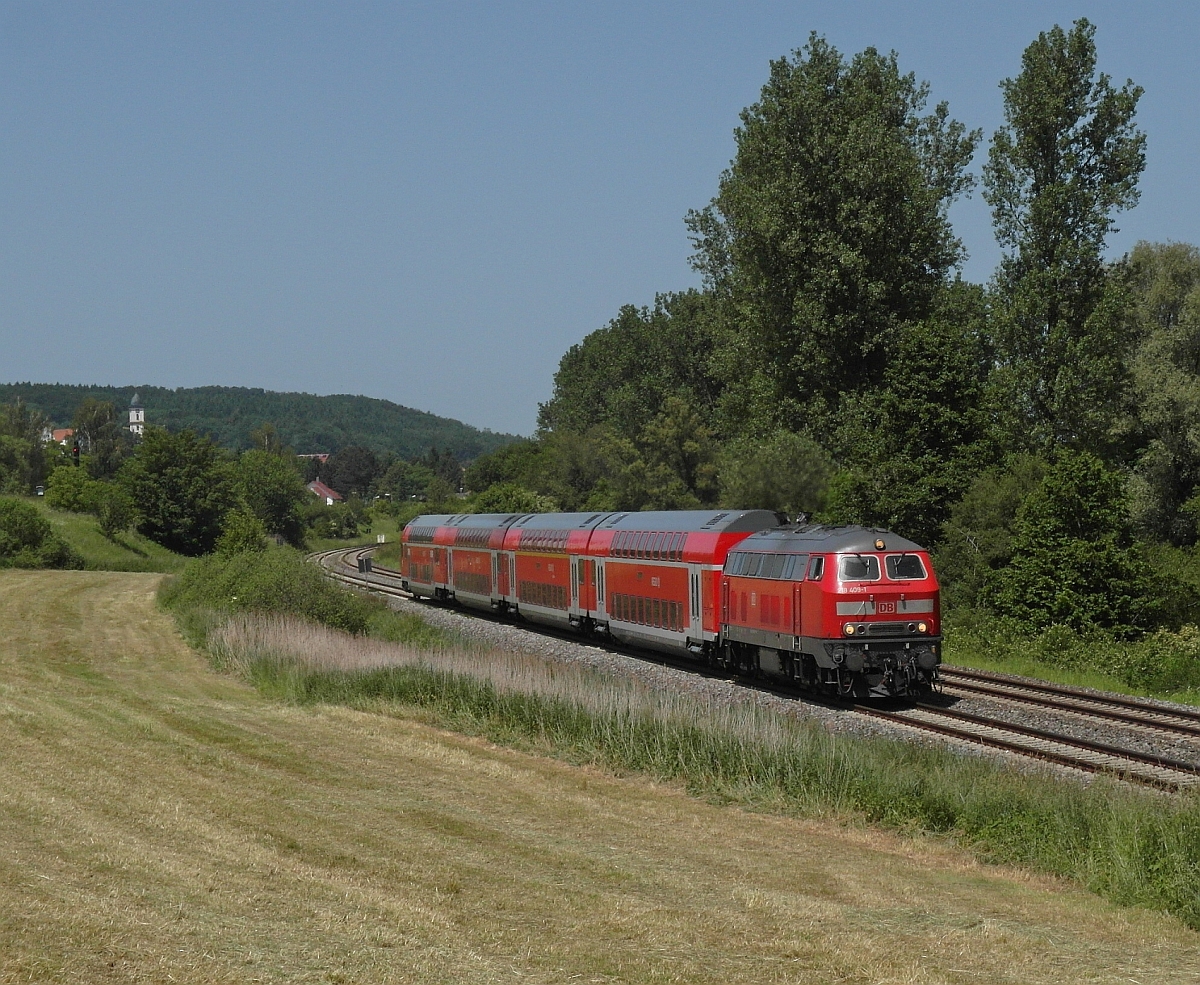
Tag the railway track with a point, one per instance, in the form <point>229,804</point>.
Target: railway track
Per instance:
<point>1118,708</point>
<point>1064,750</point>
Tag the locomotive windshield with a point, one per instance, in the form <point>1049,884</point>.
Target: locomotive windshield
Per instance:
<point>905,567</point>
<point>860,567</point>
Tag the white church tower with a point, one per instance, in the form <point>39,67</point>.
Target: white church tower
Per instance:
<point>137,416</point>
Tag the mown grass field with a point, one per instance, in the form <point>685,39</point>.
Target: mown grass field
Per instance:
<point>160,822</point>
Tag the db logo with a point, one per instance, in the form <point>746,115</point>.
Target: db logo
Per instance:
<point>886,606</point>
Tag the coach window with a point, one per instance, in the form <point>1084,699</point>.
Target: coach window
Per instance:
<point>860,567</point>
<point>816,568</point>
<point>640,550</point>
<point>677,546</point>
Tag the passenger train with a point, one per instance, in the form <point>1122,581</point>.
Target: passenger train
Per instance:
<point>845,610</point>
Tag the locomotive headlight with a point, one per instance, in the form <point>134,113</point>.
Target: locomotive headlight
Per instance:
<point>849,628</point>
<point>922,627</point>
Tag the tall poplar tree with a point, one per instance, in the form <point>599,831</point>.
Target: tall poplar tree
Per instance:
<point>829,230</point>
<point>1066,161</point>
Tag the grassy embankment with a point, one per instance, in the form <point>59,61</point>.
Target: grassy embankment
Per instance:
<point>129,551</point>
<point>1134,847</point>
<point>162,822</point>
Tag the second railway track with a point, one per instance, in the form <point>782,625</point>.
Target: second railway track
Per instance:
<point>1164,772</point>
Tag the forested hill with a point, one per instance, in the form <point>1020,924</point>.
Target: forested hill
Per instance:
<point>307,422</point>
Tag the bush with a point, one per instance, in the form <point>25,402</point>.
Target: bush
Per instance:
<point>243,532</point>
<point>28,541</point>
<point>1159,663</point>
<point>1073,560</point>
<point>72,489</point>
<point>277,580</point>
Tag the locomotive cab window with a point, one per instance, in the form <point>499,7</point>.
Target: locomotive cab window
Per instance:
<point>860,567</point>
<point>905,567</point>
<point>816,568</point>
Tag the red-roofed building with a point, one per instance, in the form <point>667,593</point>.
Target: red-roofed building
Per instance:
<point>62,435</point>
<point>322,491</point>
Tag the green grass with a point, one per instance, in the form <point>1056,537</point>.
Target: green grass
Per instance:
<point>1133,847</point>
<point>129,551</point>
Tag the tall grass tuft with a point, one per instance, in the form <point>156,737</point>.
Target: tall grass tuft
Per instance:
<point>1132,847</point>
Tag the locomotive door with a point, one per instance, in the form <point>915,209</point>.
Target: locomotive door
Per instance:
<point>796,609</point>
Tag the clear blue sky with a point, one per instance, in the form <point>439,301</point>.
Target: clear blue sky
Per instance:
<point>430,202</point>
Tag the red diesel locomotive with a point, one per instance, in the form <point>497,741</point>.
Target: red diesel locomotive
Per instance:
<point>845,610</point>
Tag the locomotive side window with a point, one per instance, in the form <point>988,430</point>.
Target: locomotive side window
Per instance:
<point>860,567</point>
<point>772,566</point>
<point>816,568</point>
<point>905,567</point>
<point>752,564</point>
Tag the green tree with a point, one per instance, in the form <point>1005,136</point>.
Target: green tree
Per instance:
<point>24,462</point>
<point>113,509</point>
<point>351,470</point>
<point>910,447</point>
<point>181,487</point>
<point>267,438</point>
<point>787,473</point>
<point>508,497</point>
<point>1066,161</point>
<point>242,531</point>
<point>621,376</point>
<point>680,456</point>
<point>71,489</point>
<point>1164,416</point>
<point>977,538</point>
<point>406,480</point>
<point>1073,562</point>
<point>272,490</point>
<point>828,231</point>
<point>100,436</point>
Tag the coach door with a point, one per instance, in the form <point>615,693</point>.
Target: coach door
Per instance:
<point>695,613</point>
<point>574,564</point>
<point>601,598</point>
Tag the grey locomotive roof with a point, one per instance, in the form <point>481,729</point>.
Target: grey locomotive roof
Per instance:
<point>821,539</point>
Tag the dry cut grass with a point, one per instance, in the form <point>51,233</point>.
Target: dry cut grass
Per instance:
<point>159,822</point>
